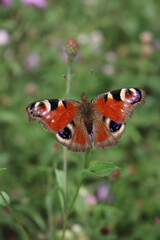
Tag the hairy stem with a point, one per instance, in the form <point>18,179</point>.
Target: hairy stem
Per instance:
<point>69,70</point>
<point>79,184</point>
<point>75,195</point>
<point>50,206</point>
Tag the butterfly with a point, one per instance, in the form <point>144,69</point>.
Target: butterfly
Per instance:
<point>76,124</point>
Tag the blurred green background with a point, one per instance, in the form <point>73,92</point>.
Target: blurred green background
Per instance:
<point>119,47</point>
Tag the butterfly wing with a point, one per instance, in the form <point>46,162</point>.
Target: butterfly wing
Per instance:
<point>80,140</point>
<point>110,112</point>
<point>62,118</point>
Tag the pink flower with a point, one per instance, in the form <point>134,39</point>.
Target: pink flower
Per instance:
<point>90,199</point>
<point>157,220</point>
<point>6,2</point>
<point>37,3</point>
<point>31,61</point>
<point>64,55</point>
<point>102,192</point>
<point>4,37</point>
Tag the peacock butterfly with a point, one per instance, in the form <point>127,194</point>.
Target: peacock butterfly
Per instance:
<point>76,124</point>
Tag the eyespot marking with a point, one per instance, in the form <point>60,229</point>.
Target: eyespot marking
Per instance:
<point>65,133</point>
<point>139,95</point>
<point>114,126</point>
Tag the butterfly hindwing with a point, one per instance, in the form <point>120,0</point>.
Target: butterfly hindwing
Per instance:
<point>79,139</point>
<point>106,132</point>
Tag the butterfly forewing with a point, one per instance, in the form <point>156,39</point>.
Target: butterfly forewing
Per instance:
<point>54,114</point>
<point>120,104</point>
<point>111,110</point>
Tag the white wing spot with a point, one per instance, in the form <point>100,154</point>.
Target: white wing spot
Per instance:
<point>110,96</point>
<point>123,94</point>
<point>60,103</point>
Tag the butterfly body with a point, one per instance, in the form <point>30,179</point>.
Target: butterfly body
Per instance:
<point>76,124</point>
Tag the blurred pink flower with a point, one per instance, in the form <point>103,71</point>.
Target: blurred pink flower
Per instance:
<point>157,220</point>
<point>4,37</point>
<point>64,55</point>
<point>103,192</point>
<point>6,2</point>
<point>90,199</point>
<point>37,3</point>
<point>31,61</point>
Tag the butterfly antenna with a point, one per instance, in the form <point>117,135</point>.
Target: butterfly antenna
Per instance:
<point>72,85</point>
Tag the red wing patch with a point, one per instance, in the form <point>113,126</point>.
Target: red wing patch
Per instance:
<point>101,133</point>
<point>60,117</point>
<point>120,104</point>
<point>115,110</point>
<point>80,136</point>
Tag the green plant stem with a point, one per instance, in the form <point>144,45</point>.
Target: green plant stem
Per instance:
<point>15,217</point>
<point>64,149</point>
<point>69,73</point>
<point>79,184</point>
<point>75,195</point>
<point>69,70</point>
<point>65,179</point>
<point>50,206</point>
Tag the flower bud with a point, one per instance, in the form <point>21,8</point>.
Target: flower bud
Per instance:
<point>105,230</point>
<point>72,47</point>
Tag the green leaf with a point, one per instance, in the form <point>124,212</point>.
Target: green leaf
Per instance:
<point>99,169</point>
<point>7,198</point>
<point>2,170</point>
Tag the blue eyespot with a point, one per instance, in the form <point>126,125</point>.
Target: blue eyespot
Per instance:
<point>114,126</point>
<point>65,133</point>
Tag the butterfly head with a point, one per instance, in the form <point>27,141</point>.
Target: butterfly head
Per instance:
<point>84,97</point>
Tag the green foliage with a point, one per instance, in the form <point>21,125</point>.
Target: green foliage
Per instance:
<point>2,170</point>
<point>113,44</point>
<point>4,198</point>
<point>99,169</point>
